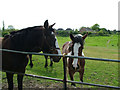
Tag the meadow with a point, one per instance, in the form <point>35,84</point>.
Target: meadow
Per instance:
<point>98,72</point>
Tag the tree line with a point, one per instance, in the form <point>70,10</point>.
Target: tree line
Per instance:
<point>94,30</point>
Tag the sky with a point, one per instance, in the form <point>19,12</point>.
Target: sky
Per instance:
<point>65,13</point>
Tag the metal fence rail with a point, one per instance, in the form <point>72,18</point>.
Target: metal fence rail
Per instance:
<point>64,80</point>
<point>46,54</point>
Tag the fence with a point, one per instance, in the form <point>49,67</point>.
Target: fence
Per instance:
<point>64,80</point>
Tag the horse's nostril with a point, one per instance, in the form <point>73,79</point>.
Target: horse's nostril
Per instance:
<point>76,68</point>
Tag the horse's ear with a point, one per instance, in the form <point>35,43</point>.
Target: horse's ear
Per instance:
<point>85,36</point>
<point>53,25</point>
<point>72,37</point>
<point>46,24</point>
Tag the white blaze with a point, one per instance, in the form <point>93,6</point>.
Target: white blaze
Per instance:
<point>75,50</point>
<point>57,46</point>
<point>82,54</point>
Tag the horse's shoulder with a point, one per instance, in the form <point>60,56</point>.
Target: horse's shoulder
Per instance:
<point>65,44</point>
<point>66,47</point>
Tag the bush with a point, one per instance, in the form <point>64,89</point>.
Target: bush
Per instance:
<point>5,33</point>
<point>66,33</point>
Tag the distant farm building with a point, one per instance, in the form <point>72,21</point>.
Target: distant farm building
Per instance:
<point>84,29</point>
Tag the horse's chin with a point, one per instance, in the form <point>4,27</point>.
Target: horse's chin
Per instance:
<point>56,59</point>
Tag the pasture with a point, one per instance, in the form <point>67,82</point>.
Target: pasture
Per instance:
<point>98,72</point>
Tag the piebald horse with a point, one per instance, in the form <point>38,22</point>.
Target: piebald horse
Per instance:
<point>74,47</point>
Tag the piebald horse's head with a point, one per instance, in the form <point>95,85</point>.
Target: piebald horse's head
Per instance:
<point>77,47</point>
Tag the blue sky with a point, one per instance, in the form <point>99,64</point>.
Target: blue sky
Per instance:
<point>65,13</point>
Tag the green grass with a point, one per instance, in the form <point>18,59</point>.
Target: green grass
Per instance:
<point>98,72</point>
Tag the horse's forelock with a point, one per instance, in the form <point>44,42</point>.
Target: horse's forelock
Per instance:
<point>79,39</point>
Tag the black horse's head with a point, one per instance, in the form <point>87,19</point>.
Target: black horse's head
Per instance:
<point>51,41</point>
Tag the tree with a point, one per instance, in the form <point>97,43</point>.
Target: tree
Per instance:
<point>101,33</point>
<point>60,29</point>
<point>96,27</point>
<point>114,31</point>
<point>3,29</point>
<point>10,27</point>
<point>109,32</point>
<point>104,29</point>
<point>68,29</point>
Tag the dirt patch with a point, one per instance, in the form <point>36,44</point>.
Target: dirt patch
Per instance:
<point>46,85</point>
<point>38,84</point>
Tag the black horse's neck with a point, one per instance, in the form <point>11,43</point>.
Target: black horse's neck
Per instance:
<point>29,39</point>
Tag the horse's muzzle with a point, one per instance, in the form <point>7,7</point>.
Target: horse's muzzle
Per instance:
<point>56,59</point>
<point>76,68</point>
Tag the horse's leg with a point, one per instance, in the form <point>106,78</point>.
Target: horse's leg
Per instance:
<point>10,80</point>
<point>31,64</point>
<point>46,63</point>
<point>66,73</point>
<point>71,74</point>
<point>81,73</point>
<point>66,63</point>
<point>20,81</point>
<point>51,61</point>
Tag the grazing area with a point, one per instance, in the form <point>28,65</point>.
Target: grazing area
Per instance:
<point>98,72</point>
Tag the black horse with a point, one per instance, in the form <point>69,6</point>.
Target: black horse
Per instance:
<point>32,39</point>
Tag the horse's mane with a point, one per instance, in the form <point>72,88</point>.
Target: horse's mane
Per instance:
<point>25,30</point>
<point>22,31</point>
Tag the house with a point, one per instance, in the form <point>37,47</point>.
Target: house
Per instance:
<point>85,29</point>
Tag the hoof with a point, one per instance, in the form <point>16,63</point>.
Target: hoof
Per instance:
<point>31,65</point>
<point>46,66</point>
<point>51,65</point>
<point>81,80</point>
<point>73,84</point>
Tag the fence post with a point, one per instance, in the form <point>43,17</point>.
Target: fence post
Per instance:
<point>64,67</point>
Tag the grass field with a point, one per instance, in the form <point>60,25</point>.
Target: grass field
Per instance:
<point>97,72</point>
